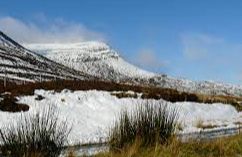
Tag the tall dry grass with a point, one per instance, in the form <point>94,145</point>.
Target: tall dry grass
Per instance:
<point>222,147</point>
<point>42,134</point>
<point>148,123</point>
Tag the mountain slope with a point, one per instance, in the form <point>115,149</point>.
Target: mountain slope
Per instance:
<point>94,58</point>
<point>100,60</point>
<point>19,64</point>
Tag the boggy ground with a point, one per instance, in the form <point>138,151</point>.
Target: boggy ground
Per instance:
<point>171,95</point>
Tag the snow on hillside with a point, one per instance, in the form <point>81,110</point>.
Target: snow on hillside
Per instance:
<point>91,113</point>
<point>201,87</point>
<point>94,58</point>
<point>99,59</point>
<point>18,63</point>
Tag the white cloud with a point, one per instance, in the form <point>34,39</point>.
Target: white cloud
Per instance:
<point>198,46</point>
<point>148,58</point>
<point>212,56</point>
<point>56,31</point>
<point>214,49</point>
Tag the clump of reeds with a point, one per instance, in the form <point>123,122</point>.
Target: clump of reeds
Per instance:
<point>41,134</point>
<point>149,123</point>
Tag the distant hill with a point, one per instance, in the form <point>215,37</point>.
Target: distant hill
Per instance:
<point>102,61</point>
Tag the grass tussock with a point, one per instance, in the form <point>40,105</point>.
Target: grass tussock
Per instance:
<point>148,123</point>
<point>222,147</point>
<point>41,134</point>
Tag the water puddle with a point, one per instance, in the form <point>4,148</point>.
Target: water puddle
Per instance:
<point>87,150</point>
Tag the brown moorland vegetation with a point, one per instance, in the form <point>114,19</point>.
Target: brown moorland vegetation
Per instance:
<point>222,147</point>
<point>148,92</point>
<point>8,104</point>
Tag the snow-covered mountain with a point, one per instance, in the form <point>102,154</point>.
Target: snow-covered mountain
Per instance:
<point>100,60</point>
<point>20,64</point>
<point>93,58</point>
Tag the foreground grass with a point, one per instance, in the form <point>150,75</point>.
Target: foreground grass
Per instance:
<point>223,147</point>
<point>149,132</point>
<point>150,123</point>
<point>39,135</point>
<point>135,135</point>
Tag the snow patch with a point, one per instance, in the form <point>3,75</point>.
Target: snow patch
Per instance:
<point>92,113</point>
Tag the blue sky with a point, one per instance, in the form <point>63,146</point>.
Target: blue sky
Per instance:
<point>199,40</point>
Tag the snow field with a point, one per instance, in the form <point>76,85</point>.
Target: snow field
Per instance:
<point>92,113</point>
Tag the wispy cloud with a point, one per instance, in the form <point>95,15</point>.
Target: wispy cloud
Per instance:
<point>213,56</point>
<point>148,58</point>
<point>53,31</point>
<point>208,47</point>
<point>198,46</point>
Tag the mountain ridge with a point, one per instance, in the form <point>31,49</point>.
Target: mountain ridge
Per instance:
<point>106,63</point>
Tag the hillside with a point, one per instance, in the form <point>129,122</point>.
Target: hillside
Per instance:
<point>100,60</point>
<point>22,65</point>
<point>94,58</point>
